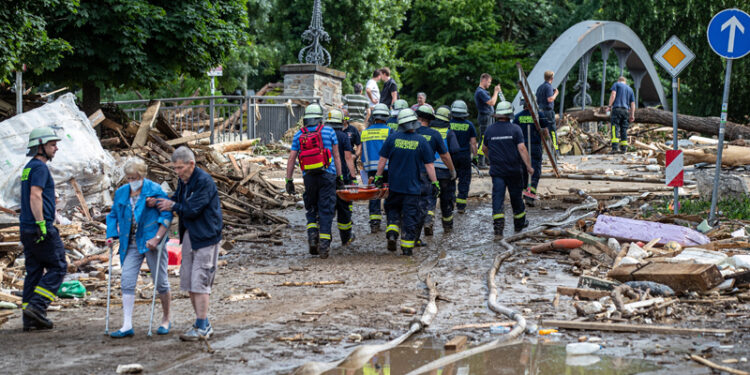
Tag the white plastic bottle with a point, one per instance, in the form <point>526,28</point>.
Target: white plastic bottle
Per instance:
<point>581,348</point>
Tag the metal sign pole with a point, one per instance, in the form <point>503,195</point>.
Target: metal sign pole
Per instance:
<point>19,92</point>
<point>211,110</point>
<point>722,125</point>
<point>674,137</point>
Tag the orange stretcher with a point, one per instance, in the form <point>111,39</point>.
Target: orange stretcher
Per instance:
<point>362,193</point>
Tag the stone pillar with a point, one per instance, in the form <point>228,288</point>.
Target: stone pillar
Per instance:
<point>314,81</point>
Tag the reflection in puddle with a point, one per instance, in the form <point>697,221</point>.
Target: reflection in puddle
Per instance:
<point>522,358</point>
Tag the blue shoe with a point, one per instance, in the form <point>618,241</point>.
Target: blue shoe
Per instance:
<point>164,331</point>
<point>120,334</point>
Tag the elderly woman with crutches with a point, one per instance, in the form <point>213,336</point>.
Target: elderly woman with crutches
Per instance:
<point>140,230</point>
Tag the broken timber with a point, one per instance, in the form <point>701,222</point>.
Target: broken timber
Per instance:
<point>679,276</point>
<point>620,327</point>
<point>147,121</point>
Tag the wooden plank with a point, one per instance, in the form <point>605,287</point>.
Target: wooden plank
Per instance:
<point>456,344</point>
<point>165,128</point>
<point>96,118</point>
<point>589,294</point>
<point>81,199</point>
<point>597,242</point>
<point>623,327</point>
<point>7,211</point>
<point>681,277</point>
<point>147,121</point>
<point>109,124</point>
<point>10,298</point>
<point>190,138</point>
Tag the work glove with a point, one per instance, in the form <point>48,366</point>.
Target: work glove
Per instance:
<point>290,186</point>
<point>475,160</point>
<point>378,181</point>
<point>435,189</point>
<point>453,174</point>
<point>41,231</point>
<point>339,182</point>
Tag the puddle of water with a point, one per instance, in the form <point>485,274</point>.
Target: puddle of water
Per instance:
<point>523,358</point>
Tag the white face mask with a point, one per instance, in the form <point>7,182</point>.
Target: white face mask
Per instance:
<point>135,185</point>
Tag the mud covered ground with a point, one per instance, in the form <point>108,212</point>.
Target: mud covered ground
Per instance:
<point>378,285</point>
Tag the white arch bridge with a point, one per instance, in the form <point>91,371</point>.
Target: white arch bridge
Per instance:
<point>578,43</point>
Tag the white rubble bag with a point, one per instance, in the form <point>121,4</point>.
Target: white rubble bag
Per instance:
<point>79,155</point>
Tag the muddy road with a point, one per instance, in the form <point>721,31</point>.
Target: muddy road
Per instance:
<point>323,323</point>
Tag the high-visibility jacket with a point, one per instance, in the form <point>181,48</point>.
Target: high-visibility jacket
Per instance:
<point>443,133</point>
<point>372,141</point>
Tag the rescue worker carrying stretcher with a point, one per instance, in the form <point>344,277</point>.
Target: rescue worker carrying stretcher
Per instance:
<point>439,148</point>
<point>316,145</point>
<point>406,154</point>
<point>467,153</point>
<point>446,177</point>
<point>42,247</point>
<point>503,145</point>
<point>373,139</point>
<point>344,209</point>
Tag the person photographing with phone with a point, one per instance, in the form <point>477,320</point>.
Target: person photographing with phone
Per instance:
<point>485,103</point>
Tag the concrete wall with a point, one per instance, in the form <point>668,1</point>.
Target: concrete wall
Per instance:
<point>314,80</point>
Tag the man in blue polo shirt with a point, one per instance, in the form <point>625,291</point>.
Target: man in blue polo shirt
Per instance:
<point>622,105</point>
<point>505,149</point>
<point>484,103</point>
<point>320,181</point>
<point>545,99</point>
<point>405,153</point>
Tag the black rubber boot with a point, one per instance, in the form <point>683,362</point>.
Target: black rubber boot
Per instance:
<point>374,226</point>
<point>520,224</point>
<point>324,245</point>
<point>623,149</point>
<point>313,240</point>
<point>406,251</point>
<point>498,225</point>
<point>615,149</point>
<point>448,226</point>
<point>347,237</point>
<point>428,229</point>
<point>37,318</point>
<point>461,207</point>
<point>392,238</point>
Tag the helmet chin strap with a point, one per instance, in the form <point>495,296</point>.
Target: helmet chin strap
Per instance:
<point>43,151</point>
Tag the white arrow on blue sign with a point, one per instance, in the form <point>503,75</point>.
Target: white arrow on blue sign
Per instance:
<point>729,33</point>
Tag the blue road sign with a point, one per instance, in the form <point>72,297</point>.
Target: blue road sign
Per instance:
<point>729,33</point>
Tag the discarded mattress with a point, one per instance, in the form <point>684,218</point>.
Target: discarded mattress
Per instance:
<point>640,230</point>
<point>79,155</point>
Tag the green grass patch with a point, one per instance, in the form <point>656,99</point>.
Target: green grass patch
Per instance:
<point>731,208</point>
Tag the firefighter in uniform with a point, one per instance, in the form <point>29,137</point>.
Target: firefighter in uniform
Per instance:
<point>503,145</point>
<point>534,142</point>
<point>406,154</point>
<point>397,107</point>
<point>467,153</point>
<point>344,209</point>
<point>321,177</point>
<point>372,141</point>
<point>446,177</point>
<point>440,151</point>
<point>42,247</point>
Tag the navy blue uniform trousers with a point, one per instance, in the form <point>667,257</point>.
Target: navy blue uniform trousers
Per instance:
<point>462,162</point>
<point>375,213</point>
<point>514,185</point>
<point>403,212</point>
<point>39,287</point>
<point>320,202</point>
<point>536,163</point>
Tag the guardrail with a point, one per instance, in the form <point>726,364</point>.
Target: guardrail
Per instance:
<point>226,117</point>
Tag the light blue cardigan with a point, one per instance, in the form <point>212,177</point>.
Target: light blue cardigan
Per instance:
<point>148,219</point>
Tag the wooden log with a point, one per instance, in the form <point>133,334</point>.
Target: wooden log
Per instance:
<point>7,211</point>
<point>147,122</point>
<point>704,125</point>
<point>109,142</point>
<point>81,199</point>
<point>10,298</point>
<point>457,343</point>
<point>715,366</point>
<point>589,294</point>
<point>681,277</point>
<point>91,258</point>
<point>96,118</point>
<point>164,145</point>
<point>235,165</point>
<point>109,124</point>
<point>641,230</point>
<point>190,138</point>
<point>732,156</point>
<point>165,128</point>
<point>236,146</point>
<point>599,243</point>
<point>311,283</point>
<point>622,327</point>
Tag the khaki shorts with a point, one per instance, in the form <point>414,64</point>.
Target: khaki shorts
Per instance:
<point>359,125</point>
<point>198,267</point>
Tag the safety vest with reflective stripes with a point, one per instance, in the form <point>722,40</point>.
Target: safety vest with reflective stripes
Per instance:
<point>443,133</point>
<point>373,139</point>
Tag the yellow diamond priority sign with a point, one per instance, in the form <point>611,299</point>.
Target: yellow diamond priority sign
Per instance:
<point>674,56</point>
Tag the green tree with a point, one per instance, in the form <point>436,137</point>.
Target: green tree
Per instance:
<point>447,44</point>
<point>655,21</point>
<point>24,39</point>
<point>143,43</point>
